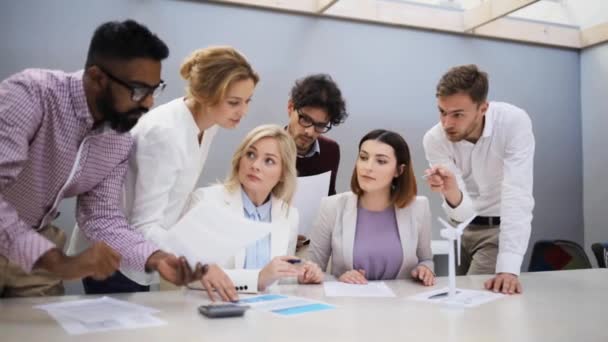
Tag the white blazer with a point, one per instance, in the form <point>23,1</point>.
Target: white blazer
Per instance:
<point>283,236</point>
<point>333,234</point>
<point>164,166</point>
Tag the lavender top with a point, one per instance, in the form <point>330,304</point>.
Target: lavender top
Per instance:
<point>377,247</point>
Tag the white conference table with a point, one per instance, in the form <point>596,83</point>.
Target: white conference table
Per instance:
<point>555,306</point>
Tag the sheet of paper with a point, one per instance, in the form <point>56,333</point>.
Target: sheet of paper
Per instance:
<point>97,310</point>
<point>210,234</point>
<point>466,298</point>
<point>76,327</point>
<point>307,199</point>
<point>371,289</point>
<point>284,305</point>
<point>100,314</point>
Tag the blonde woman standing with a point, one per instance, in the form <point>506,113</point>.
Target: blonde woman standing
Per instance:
<point>172,144</point>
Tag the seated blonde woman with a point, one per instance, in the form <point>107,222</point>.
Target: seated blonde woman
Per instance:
<point>380,230</point>
<point>260,186</point>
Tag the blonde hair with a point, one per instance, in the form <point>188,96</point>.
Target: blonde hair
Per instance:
<point>286,186</point>
<point>212,70</point>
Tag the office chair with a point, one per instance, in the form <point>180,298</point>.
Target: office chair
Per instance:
<point>600,250</point>
<point>556,255</point>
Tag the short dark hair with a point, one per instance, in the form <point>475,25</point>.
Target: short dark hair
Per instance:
<point>403,189</point>
<point>466,79</point>
<point>320,91</point>
<point>125,40</point>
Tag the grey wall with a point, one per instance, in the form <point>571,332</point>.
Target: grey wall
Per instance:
<point>387,74</point>
<point>594,86</point>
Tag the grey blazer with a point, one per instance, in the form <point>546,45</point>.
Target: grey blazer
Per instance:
<point>333,234</point>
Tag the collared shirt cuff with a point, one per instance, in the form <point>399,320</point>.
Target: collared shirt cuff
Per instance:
<point>142,278</point>
<point>27,248</point>
<point>136,257</point>
<point>462,212</point>
<point>509,263</point>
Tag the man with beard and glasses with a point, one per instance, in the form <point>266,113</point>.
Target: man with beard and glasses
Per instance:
<point>314,107</point>
<point>481,156</point>
<point>64,135</point>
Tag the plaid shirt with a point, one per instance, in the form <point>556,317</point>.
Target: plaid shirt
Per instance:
<point>49,151</point>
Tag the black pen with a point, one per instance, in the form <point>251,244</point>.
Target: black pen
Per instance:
<point>440,295</point>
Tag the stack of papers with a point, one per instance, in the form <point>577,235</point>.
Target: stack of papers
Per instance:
<point>101,314</point>
<point>284,305</point>
<point>371,289</point>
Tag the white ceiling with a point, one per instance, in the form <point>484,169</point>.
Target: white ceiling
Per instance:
<point>576,24</point>
<point>576,13</point>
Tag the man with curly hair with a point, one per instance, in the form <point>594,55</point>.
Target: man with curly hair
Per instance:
<point>316,106</point>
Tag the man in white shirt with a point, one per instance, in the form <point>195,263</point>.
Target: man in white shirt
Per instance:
<point>481,156</point>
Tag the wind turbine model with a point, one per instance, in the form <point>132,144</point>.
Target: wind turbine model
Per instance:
<point>453,234</point>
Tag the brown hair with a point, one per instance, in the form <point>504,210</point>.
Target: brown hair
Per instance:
<point>211,71</point>
<point>466,79</point>
<point>403,187</point>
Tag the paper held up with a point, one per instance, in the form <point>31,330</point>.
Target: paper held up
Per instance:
<point>307,199</point>
<point>210,234</point>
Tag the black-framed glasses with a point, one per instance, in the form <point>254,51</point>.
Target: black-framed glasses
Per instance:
<point>306,121</point>
<point>138,91</point>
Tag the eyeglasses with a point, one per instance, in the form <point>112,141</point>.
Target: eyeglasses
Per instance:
<point>138,92</point>
<point>306,121</point>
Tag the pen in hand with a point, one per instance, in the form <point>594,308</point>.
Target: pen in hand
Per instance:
<point>427,175</point>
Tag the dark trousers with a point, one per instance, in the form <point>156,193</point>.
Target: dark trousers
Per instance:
<point>116,283</point>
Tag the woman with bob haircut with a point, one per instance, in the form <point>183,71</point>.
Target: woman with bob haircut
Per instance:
<point>172,142</point>
<point>260,186</point>
<point>380,230</point>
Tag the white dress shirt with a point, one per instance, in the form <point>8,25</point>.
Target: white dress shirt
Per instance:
<point>494,175</point>
<point>164,167</point>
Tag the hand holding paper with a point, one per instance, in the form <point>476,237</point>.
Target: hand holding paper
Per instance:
<point>210,234</point>
<point>307,199</point>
